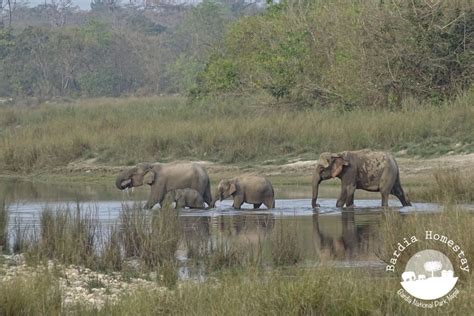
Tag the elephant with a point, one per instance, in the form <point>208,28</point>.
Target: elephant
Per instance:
<point>166,177</point>
<point>364,169</point>
<point>408,276</point>
<point>186,198</point>
<point>246,189</point>
<point>421,277</point>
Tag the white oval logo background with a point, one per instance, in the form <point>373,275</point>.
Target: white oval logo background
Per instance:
<point>428,275</point>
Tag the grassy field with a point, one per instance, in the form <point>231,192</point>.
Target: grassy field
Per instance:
<point>235,286</point>
<point>127,131</point>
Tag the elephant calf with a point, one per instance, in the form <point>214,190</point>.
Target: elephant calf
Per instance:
<point>186,198</point>
<point>251,189</point>
<point>364,169</point>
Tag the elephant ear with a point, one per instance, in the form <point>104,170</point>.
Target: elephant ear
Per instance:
<point>149,177</point>
<point>232,188</point>
<point>337,166</point>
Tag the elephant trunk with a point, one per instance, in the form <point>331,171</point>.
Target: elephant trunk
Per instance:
<point>217,196</point>
<point>123,181</point>
<point>316,181</point>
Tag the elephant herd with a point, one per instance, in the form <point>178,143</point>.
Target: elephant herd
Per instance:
<point>188,184</point>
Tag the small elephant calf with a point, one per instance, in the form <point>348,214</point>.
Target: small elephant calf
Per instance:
<point>251,189</point>
<point>186,198</point>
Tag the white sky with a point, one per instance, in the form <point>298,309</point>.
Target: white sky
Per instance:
<point>86,4</point>
<point>83,4</point>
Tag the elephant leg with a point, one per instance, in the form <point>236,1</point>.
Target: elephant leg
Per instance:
<point>238,201</point>
<point>269,203</point>
<point>153,199</point>
<point>207,194</point>
<point>350,195</point>
<point>342,198</point>
<point>257,205</point>
<point>387,182</point>
<point>384,199</point>
<point>157,195</point>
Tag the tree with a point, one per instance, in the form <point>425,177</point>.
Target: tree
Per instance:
<point>57,11</point>
<point>432,266</point>
<point>194,41</point>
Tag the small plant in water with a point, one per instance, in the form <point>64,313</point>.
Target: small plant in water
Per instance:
<point>3,226</point>
<point>285,249</point>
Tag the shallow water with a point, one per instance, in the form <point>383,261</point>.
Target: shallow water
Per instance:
<point>345,236</point>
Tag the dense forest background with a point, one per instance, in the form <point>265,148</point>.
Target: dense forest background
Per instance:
<point>371,53</point>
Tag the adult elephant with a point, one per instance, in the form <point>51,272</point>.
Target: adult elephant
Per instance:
<point>364,169</point>
<point>166,177</point>
<point>251,189</point>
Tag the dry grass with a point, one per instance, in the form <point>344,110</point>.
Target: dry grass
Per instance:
<point>454,222</point>
<point>76,236</point>
<point>4,219</point>
<point>229,131</point>
<point>449,186</point>
<point>293,290</point>
<point>37,295</point>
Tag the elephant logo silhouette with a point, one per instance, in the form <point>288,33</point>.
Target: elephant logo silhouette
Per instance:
<point>422,277</point>
<point>408,276</point>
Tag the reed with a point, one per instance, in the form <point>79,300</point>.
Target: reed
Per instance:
<point>448,187</point>
<point>4,220</point>
<point>235,130</point>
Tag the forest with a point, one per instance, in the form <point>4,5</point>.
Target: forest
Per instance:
<point>305,53</point>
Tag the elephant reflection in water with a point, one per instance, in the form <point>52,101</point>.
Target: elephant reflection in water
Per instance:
<point>195,226</point>
<point>353,240</point>
<point>250,227</point>
<point>202,234</point>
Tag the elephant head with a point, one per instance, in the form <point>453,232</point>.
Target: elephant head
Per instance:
<point>178,195</point>
<point>135,177</point>
<point>225,189</point>
<point>330,165</point>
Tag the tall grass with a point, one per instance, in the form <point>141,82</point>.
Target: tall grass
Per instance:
<point>68,235</point>
<point>152,237</point>
<point>454,222</point>
<point>284,245</point>
<point>316,291</point>
<point>449,186</point>
<point>225,130</point>
<point>324,289</point>
<point>76,236</point>
<point>4,219</point>
<point>37,294</point>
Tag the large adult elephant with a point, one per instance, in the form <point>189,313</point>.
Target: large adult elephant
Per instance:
<point>364,169</point>
<point>251,189</point>
<point>166,177</point>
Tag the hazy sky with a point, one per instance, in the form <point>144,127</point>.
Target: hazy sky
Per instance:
<point>86,4</point>
<point>83,4</point>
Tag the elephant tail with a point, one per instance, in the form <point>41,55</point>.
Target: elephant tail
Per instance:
<point>273,193</point>
<point>397,190</point>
